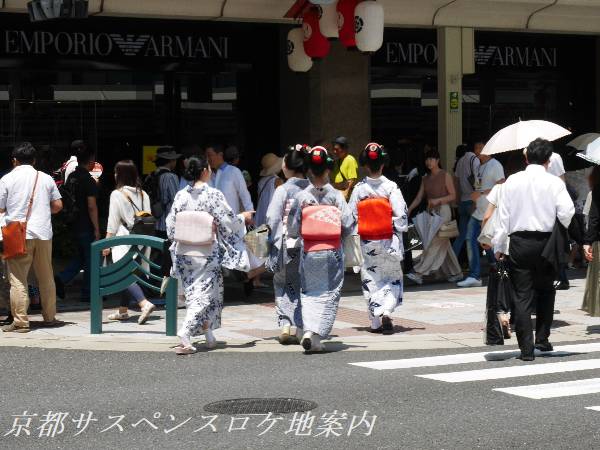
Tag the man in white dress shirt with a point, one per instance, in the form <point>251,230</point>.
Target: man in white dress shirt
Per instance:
<point>229,180</point>
<point>534,201</point>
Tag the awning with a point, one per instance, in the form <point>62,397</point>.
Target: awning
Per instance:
<point>572,16</point>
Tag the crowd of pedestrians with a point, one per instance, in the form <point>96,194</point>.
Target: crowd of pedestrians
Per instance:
<point>322,220</point>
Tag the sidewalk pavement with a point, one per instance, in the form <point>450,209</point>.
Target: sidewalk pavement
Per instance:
<point>433,316</point>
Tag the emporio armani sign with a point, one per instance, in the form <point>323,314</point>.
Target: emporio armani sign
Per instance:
<point>20,42</point>
<point>415,53</point>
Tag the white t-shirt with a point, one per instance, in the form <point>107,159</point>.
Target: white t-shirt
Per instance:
<point>487,177</point>
<point>556,166</point>
<point>15,191</point>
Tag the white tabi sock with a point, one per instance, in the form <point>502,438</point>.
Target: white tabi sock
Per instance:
<point>375,323</point>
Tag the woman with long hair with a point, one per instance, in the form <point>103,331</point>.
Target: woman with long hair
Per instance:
<point>127,199</point>
<point>284,257</point>
<point>437,187</point>
<point>591,248</point>
<point>380,212</point>
<point>321,218</point>
<point>198,265</point>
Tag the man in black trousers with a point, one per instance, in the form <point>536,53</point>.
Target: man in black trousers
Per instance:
<point>533,200</point>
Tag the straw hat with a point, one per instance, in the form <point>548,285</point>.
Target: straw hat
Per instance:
<point>271,164</point>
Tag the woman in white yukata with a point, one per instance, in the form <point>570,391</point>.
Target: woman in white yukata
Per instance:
<point>199,267</point>
<point>380,213</point>
<point>321,217</point>
<point>284,257</point>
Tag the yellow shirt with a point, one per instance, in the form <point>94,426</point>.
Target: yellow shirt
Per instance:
<point>346,169</point>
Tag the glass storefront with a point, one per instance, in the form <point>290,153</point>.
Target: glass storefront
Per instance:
<point>123,84</point>
<point>518,76</point>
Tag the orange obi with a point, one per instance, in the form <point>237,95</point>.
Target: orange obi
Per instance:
<point>321,228</point>
<point>375,219</point>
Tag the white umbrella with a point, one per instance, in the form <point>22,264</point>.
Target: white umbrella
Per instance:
<point>592,152</point>
<point>520,134</point>
<point>582,142</point>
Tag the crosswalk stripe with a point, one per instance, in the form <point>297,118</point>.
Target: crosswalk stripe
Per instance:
<point>466,358</point>
<point>554,390</point>
<point>593,408</point>
<point>514,371</point>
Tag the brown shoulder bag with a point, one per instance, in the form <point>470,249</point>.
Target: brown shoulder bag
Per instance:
<point>14,235</point>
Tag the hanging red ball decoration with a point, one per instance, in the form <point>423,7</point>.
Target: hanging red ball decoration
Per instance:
<point>346,26</point>
<point>315,44</point>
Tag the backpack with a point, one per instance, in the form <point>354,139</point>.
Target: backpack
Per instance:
<point>143,222</point>
<point>321,228</point>
<point>68,191</point>
<point>375,219</point>
<point>152,187</point>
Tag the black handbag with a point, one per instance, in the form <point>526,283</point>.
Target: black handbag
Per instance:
<point>500,298</point>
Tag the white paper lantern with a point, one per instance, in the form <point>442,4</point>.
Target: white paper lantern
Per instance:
<point>369,24</point>
<point>328,22</point>
<point>298,60</point>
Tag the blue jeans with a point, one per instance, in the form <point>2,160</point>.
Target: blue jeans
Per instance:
<point>83,241</point>
<point>465,209</point>
<point>474,250</point>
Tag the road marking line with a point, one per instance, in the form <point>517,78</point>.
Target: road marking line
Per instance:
<point>593,408</point>
<point>466,358</point>
<point>554,390</point>
<point>514,371</point>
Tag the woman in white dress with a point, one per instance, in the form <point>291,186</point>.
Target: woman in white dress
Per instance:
<point>379,210</point>
<point>127,199</point>
<point>284,257</point>
<point>321,218</point>
<point>199,267</point>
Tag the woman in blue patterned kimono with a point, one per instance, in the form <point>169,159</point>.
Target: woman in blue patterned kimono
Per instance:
<point>322,258</point>
<point>199,268</point>
<point>284,258</point>
<point>381,272</point>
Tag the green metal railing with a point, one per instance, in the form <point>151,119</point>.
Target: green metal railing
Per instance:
<point>117,277</point>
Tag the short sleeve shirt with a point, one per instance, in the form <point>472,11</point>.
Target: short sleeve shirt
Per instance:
<point>488,175</point>
<point>346,169</point>
<point>15,191</point>
<point>86,187</point>
<point>467,165</point>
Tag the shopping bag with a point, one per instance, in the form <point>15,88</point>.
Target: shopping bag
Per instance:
<point>257,241</point>
<point>352,253</point>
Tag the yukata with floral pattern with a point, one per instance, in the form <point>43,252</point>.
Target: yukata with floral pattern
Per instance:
<point>201,276</point>
<point>381,272</point>
<point>321,272</point>
<point>284,257</point>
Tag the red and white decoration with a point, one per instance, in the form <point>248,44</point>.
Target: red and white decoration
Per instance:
<point>315,44</point>
<point>359,24</point>
<point>328,21</point>
<point>369,24</point>
<point>298,60</point>
<point>346,27</point>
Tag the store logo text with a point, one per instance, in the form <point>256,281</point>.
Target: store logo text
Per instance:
<point>18,42</point>
<point>502,56</point>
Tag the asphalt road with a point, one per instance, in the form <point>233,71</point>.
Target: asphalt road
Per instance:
<point>167,390</point>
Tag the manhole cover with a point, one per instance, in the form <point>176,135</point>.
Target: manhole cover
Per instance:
<point>260,406</point>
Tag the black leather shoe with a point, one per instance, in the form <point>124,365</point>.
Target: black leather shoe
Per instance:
<point>526,357</point>
<point>562,286</point>
<point>544,346</point>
